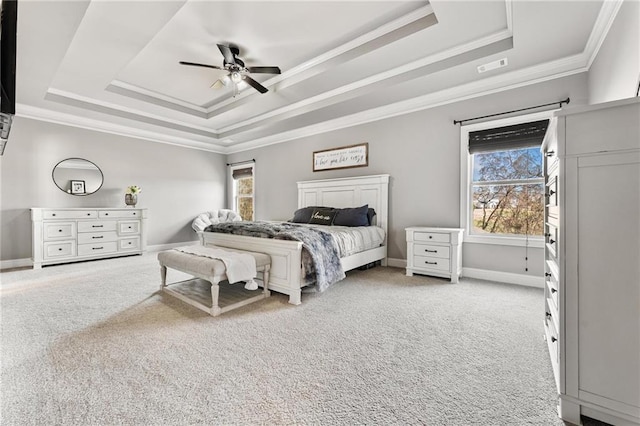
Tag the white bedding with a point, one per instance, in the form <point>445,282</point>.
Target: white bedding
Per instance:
<point>352,240</point>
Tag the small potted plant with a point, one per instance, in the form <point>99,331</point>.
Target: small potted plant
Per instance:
<point>131,195</point>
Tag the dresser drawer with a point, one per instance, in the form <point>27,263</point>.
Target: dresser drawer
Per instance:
<point>118,213</point>
<point>69,214</point>
<point>59,249</point>
<point>435,263</point>
<point>441,252</point>
<point>97,237</point>
<point>431,237</point>
<point>552,192</point>
<point>97,248</point>
<point>125,244</point>
<point>59,230</point>
<point>96,226</point>
<point>129,227</point>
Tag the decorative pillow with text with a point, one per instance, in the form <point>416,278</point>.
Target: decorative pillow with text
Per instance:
<point>322,217</point>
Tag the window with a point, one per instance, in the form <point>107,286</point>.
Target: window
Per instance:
<point>243,190</point>
<point>503,182</point>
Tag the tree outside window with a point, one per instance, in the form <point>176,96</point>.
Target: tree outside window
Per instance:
<point>507,193</point>
<point>243,191</point>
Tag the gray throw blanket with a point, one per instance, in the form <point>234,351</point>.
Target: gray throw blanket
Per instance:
<point>322,264</point>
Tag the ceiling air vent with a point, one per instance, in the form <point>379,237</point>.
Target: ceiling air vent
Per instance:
<point>493,65</point>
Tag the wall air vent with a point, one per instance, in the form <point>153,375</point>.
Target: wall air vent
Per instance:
<point>493,65</point>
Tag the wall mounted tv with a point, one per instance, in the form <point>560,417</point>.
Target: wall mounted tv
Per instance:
<point>8,34</point>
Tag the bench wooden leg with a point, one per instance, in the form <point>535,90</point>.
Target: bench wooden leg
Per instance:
<point>265,281</point>
<point>215,292</point>
<point>163,276</point>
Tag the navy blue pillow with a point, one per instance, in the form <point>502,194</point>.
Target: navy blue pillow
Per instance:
<point>371,213</point>
<point>303,215</point>
<point>322,216</point>
<point>352,216</point>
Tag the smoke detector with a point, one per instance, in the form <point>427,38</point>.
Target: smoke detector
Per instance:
<point>493,65</point>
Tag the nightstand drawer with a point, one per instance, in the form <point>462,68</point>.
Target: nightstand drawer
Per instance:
<point>438,264</point>
<point>441,252</point>
<point>431,237</point>
<point>59,230</point>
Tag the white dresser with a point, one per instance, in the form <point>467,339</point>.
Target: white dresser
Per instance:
<point>592,258</point>
<point>434,251</point>
<point>70,235</point>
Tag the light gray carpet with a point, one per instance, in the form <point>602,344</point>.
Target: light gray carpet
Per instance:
<point>95,344</point>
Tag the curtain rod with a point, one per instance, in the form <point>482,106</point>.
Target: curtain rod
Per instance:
<point>253,160</point>
<point>566,101</point>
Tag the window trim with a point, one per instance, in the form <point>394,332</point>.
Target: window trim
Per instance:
<point>234,195</point>
<point>465,182</point>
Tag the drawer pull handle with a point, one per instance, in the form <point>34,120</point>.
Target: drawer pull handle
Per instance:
<point>88,214</point>
<point>553,290</point>
<point>548,314</point>
<point>547,235</point>
<point>553,339</point>
<point>551,192</point>
<point>95,238</point>
<point>430,263</point>
<point>53,214</point>
<point>59,230</point>
<point>430,236</point>
<point>106,214</point>
<point>129,227</point>
<point>134,213</point>
<point>97,226</point>
<point>549,154</point>
<point>430,251</point>
<point>129,243</point>
<point>547,274</point>
<point>551,241</point>
<point>97,248</point>
<point>59,249</point>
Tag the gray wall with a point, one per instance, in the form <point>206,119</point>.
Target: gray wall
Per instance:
<point>177,183</point>
<point>615,72</point>
<point>421,152</point>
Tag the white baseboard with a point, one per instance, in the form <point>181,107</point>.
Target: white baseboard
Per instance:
<point>27,262</point>
<point>15,263</point>
<point>485,274</point>
<point>503,277</point>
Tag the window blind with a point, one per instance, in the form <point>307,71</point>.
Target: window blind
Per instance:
<point>242,173</point>
<point>517,136</point>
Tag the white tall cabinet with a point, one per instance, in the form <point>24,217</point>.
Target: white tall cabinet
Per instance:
<point>592,260</point>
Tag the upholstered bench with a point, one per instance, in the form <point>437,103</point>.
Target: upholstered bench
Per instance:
<point>213,271</point>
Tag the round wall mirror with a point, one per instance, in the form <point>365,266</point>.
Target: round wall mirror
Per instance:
<point>77,176</point>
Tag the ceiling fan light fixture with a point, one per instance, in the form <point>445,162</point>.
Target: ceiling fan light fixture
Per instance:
<point>236,77</point>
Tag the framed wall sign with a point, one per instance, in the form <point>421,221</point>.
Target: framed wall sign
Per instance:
<point>341,158</point>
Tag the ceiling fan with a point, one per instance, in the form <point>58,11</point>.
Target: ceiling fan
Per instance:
<point>238,72</point>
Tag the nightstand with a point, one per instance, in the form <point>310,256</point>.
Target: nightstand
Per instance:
<point>434,251</point>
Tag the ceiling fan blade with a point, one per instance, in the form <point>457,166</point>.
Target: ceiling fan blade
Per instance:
<point>259,87</point>
<point>264,70</point>
<point>229,57</point>
<point>200,65</point>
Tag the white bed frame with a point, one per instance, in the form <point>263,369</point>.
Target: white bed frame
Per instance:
<point>286,264</point>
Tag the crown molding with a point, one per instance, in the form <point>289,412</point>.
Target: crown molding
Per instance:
<point>512,80</point>
<point>47,115</point>
<point>604,21</point>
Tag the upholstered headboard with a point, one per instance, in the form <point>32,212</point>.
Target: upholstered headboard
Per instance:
<point>348,192</point>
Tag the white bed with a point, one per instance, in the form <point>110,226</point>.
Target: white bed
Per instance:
<point>286,270</point>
